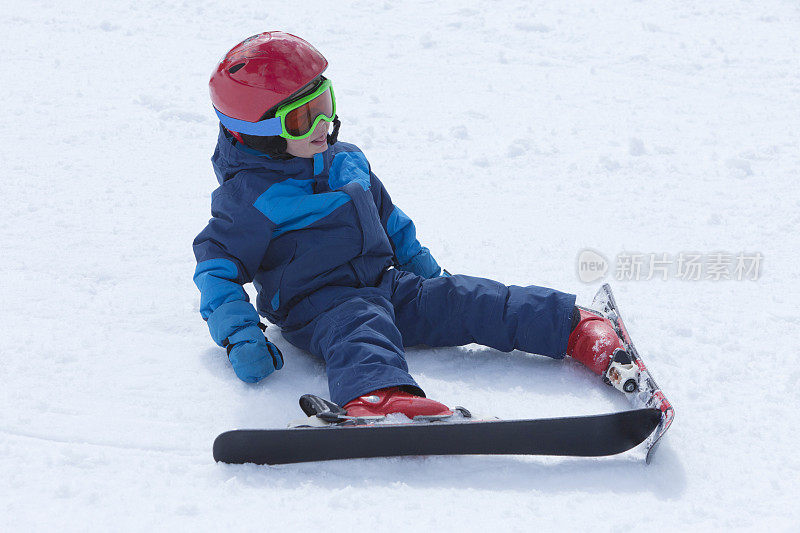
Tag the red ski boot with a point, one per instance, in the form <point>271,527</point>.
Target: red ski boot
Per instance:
<point>394,400</point>
<point>594,343</point>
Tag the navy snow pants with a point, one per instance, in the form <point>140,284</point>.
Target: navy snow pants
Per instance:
<point>361,332</point>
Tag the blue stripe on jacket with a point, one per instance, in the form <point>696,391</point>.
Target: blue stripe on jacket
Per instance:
<point>292,205</point>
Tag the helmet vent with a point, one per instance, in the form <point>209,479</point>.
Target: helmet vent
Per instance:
<point>236,67</point>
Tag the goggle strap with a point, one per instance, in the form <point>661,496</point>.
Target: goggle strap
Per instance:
<point>263,128</point>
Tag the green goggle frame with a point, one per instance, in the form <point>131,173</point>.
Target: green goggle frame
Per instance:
<point>292,125</point>
<point>293,120</point>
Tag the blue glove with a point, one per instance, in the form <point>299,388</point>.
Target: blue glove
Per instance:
<point>253,357</point>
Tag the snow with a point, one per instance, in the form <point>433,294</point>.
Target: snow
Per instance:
<point>515,135</point>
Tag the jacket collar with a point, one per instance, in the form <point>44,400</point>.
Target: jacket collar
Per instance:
<point>231,157</point>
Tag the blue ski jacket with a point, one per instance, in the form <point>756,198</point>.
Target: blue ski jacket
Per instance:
<point>293,227</point>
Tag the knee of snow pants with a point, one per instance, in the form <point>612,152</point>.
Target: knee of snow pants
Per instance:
<point>457,310</point>
<point>360,343</point>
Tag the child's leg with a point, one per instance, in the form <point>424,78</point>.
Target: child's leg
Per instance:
<point>361,346</point>
<point>457,310</point>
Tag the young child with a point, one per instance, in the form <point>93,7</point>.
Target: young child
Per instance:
<point>336,264</point>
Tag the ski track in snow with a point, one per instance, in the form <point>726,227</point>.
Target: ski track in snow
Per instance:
<point>514,135</point>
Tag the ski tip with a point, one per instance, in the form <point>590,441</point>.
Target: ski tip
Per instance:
<point>638,427</point>
<point>653,417</point>
<point>641,423</point>
<point>225,446</point>
<point>217,447</point>
<point>645,418</point>
<point>667,418</point>
<point>649,457</point>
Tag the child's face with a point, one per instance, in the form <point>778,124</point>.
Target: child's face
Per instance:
<point>315,143</point>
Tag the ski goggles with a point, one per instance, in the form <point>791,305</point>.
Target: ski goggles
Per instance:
<point>293,120</point>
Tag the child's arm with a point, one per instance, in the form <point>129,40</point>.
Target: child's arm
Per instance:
<point>409,254</point>
<point>229,251</point>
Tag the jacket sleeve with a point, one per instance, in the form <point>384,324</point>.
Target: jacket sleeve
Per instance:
<point>229,251</point>
<point>409,254</point>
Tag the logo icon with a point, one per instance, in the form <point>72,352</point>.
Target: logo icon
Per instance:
<point>591,266</point>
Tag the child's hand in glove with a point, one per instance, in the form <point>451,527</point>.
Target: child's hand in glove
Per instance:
<point>253,357</point>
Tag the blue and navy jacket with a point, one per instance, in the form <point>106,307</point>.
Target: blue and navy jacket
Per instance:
<point>292,227</point>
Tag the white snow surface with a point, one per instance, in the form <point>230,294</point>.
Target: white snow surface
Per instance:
<point>515,135</point>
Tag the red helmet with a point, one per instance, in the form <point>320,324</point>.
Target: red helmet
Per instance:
<point>261,72</point>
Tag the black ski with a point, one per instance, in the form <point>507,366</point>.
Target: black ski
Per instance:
<point>582,436</point>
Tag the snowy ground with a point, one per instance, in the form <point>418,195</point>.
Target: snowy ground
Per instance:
<point>515,135</point>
